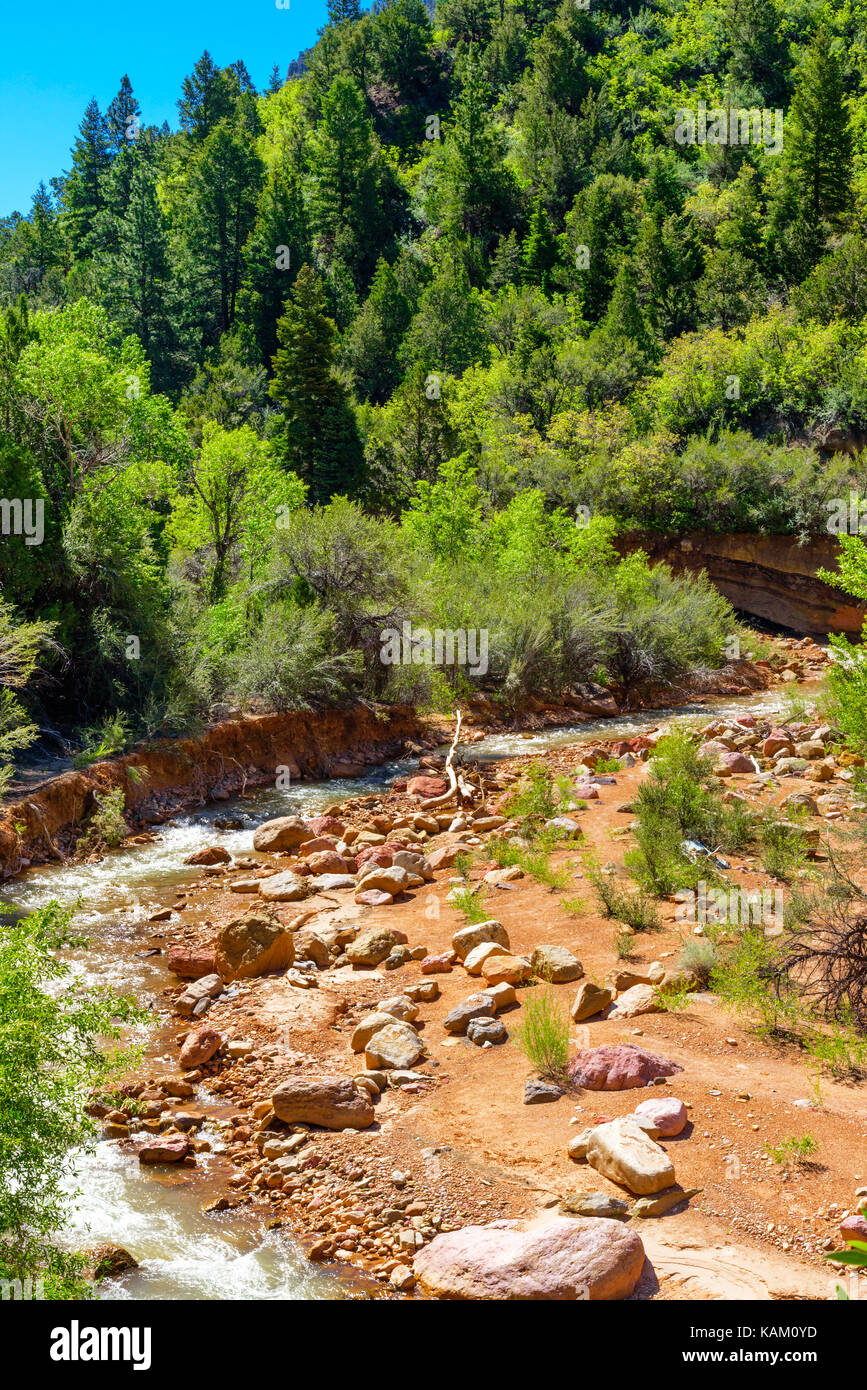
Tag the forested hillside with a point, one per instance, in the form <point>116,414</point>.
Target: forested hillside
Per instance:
<point>408,335</point>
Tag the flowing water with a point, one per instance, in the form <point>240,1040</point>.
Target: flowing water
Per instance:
<point>182,1253</point>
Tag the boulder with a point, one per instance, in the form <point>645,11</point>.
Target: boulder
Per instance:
<point>736,762</point>
<point>110,1261</point>
<point>538,1092</point>
<point>445,856</point>
<point>621,980</point>
<point>476,1006</point>
<point>511,970</point>
<point>640,999</point>
<point>400,1006</point>
<point>477,934</point>
<point>501,995</point>
<point>373,897</point>
<point>327,883</point>
<point>169,1148</point>
<point>413,863</point>
<point>372,946</point>
<point>325,825</point>
<point>486,1030</point>
<point>476,958</point>
<point>559,1259</point>
<point>333,1103</point>
<point>854,1228</point>
<point>437,965</point>
<point>367,1027</point>
<point>425,992</point>
<point>205,987</point>
<point>283,888</point>
<point>199,1046</point>
<point>510,874</point>
<point>211,854</point>
<point>391,880</point>
<point>253,945</point>
<point>778,741</point>
<point>594,1204</point>
<point>310,946</point>
<point>668,1114</point>
<point>591,999</point>
<point>326,861</point>
<point>426,787</point>
<point>191,962</point>
<point>618,1067</point>
<point>397,1045</point>
<point>564,827</point>
<point>286,832</point>
<point>556,964</point>
<point>621,1151</point>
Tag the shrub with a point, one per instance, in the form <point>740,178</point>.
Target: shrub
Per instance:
<point>107,827</point>
<point>635,910</point>
<point>700,956</point>
<point>799,1149</point>
<point>543,1036</point>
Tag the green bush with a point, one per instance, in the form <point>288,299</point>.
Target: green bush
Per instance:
<point>543,1036</point>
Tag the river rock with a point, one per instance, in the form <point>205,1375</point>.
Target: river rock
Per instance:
<point>778,741</point>
<point>595,1204</point>
<point>310,946</point>
<point>475,959</point>
<point>211,854</point>
<point>621,1151</point>
<point>325,825</point>
<point>426,787</point>
<point>437,965</point>
<point>110,1261</point>
<point>206,987</point>
<point>556,964</point>
<point>367,1027</point>
<point>332,1102</point>
<point>736,762</point>
<point>191,962</point>
<point>479,933</point>
<point>476,1006</point>
<point>372,946</point>
<point>395,1046</point>
<point>538,1092</point>
<point>287,887</point>
<point>168,1148</point>
<point>373,897</point>
<point>658,1206</point>
<point>400,1006</point>
<point>392,880</point>
<point>560,1259</point>
<point>199,1046</point>
<point>565,827</point>
<point>252,946</point>
<point>854,1228</point>
<point>445,856</point>
<point>326,861</point>
<point>425,992</point>
<point>413,863</point>
<point>511,970</point>
<point>618,1067</point>
<point>501,995</point>
<point>286,832</point>
<point>668,1114</point>
<point>486,1030</point>
<point>640,999</point>
<point>327,883</point>
<point>591,999</point>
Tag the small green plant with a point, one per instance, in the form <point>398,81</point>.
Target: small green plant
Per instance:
<point>573,907</point>
<point>624,944</point>
<point>103,740</point>
<point>783,849</point>
<point>533,856</point>
<point>635,910</point>
<point>699,955</point>
<point>467,901</point>
<point>672,998</point>
<point>535,799</point>
<point>463,864</point>
<point>611,764</point>
<point>793,1149</point>
<point>107,827</point>
<point>543,1036</point>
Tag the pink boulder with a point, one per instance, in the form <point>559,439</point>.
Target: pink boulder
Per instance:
<point>426,787</point>
<point>169,1148</point>
<point>316,845</point>
<point>437,965</point>
<point>190,963</point>
<point>199,1047</point>
<point>620,1067</point>
<point>854,1228</point>
<point>667,1114</point>
<point>737,762</point>
<point>777,741</point>
<point>374,897</point>
<point>327,861</point>
<point>325,825</point>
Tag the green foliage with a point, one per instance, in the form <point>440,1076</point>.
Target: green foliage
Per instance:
<point>52,1051</point>
<point>106,828</point>
<point>699,955</point>
<point>634,910</point>
<point>543,1035</point>
<point>468,901</point>
<point>104,740</point>
<point>796,1147</point>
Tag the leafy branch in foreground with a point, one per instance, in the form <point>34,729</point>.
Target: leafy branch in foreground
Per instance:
<point>56,1044</point>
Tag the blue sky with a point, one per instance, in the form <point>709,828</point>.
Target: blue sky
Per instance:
<point>56,56</point>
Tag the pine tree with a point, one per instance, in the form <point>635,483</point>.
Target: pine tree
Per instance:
<point>344,215</point>
<point>122,118</point>
<point>319,438</point>
<point>539,252</point>
<point>818,141</point>
<point>275,82</point>
<point>136,278</point>
<point>206,98</point>
<point>91,159</point>
<point>45,242</point>
<point>341,10</point>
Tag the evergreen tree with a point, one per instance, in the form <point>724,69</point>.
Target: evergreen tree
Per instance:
<point>318,437</point>
<point>122,118</point>
<point>539,252</point>
<point>136,277</point>
<point>91,159</point>
<point>275,82</point>
<point>345,218</point>
<point>206,99</point>
<point>342,10</point>
<point>45,240</point>
<point>818,141</point>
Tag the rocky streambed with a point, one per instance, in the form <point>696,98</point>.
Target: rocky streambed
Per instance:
<point>332,1104</point>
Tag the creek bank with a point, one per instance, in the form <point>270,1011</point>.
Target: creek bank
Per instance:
<point>451,1145</point>
<point>236,756</point>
